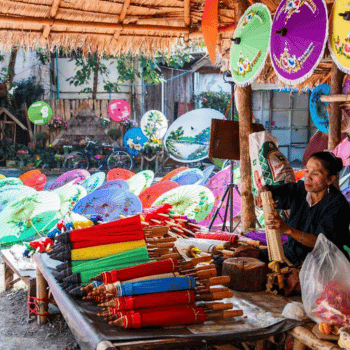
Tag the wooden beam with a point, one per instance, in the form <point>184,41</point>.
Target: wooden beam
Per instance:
<point>7,112</point>
<point>335,98</point>
<point>124,11</point>
<point>187,12</point>
<point>54,8</point>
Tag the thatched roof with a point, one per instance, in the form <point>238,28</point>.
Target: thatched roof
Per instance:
<point>121,26</point>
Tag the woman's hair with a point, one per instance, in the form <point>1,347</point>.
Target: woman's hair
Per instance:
<point>329,161</point>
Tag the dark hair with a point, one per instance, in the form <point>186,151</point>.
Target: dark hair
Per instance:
<point>329,161</point>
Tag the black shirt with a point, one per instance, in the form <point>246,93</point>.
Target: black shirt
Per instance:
<point>330,216</point>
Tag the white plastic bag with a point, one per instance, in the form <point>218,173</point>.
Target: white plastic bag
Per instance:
<point>325,284</point>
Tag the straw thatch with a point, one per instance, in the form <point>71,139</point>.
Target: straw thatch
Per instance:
<point>122,26</point>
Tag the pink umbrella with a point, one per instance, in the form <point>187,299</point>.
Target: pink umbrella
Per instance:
<point>119,110</point>
<point>343,151</point>
<point>79,175</point>
<point>217,184</point>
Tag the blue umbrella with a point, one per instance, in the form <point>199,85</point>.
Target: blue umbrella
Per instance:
<point>134,140</point>
<point>192,176</point>
<point>206,174</point>
<point>115,184</point>
<point>109,203</point>
<point>318,111</point>
<point>94,181</point>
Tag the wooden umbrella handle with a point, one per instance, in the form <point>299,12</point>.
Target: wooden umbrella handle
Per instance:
<point>223,314</point>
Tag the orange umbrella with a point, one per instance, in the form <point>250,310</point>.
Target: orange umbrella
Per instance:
<point>299,174</point>
<point>174,172</point>
<point>29,177</point>
<point>119,174</point>
<point>150,194</point>
<point>40,182</point>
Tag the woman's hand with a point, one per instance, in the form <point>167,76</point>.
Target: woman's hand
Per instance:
<point>275,222</point>
<point>257,200</point>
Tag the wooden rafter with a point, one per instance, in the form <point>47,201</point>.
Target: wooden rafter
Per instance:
<point>54,8</point>
<point>187,12</point>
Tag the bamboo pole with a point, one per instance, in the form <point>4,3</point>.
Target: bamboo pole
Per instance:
<point>30,131</point>
<point>335,98</point>
<point>41,294</point>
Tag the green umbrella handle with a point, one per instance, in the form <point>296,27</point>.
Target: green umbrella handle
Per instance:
<point>347,249</point>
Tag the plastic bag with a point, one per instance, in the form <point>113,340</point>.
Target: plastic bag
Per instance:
<point>325,284</point>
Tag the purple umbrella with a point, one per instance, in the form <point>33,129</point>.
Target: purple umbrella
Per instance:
<point>79,175</point>
<point>298,39</point>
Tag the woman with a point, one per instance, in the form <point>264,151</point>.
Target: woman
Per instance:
<point>316,206</point>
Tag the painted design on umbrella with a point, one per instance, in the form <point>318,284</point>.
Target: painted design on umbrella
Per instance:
<point>346,193</point>
<point>173,172</point>
<point>12,193</point>
<point>78,175</point>
<point>191,176</point>
<point>134,140</point>
<point>218,184</point>
<point>298,39</point>
<point>109,204</point>
<point>123,185</point>
<point>119,110</point>
<point>140,181</point>
<point>206,174</point>
<point>150,194</point>
<point>69,195</point>
<point>343,151</point>
<point>40,113</point>
<point>119,174</point>
<point>205,204</point>
<point>10,181</point>
<point>94,181</point>
<point>250,44</point>
<point>318,109</point>
<point>154,124</point>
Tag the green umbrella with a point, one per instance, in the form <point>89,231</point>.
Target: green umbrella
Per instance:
<point>40,113</point>
<point>250,44</point>
<point>10,181</point>
<point>140,181</point>
<point>12,193</point>
<point>16,220</point>
<point>205,205</point>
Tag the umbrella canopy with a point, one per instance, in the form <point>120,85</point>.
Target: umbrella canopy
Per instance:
<point>109,204</point>
<point>318,109</point>
<point>119,174</point>
<point>40,182</point>
<point>134,140</point>
<point>2,176</point>
<point>12,193</point>
<point>16,218</point>
<point>298,39</point>
<point>343,151</point>
<point>206,174</point>
<point>346,193</point>
<point>250,44</point>
<point>189,200</point>
<point>339,28</point>
<point>189,177</point>
<point>115,183</point>
<point>94,181</point>
<point>218,184</point>
<point>140,181</point>
<point>78,175</point>
<point>154,124</point>
<point>173,172</point>
<point>205,205</point>
<point>119,110</point>
<point>27,177</point>
<point>150,194</point>
<point>10,181</point>
<point>40,113</point>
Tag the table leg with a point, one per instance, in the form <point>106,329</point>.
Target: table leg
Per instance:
<point>8,277</point>
<point>31,293</point>
<point>41,294</point>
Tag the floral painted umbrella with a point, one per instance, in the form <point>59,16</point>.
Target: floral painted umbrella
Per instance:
<point>119,110</point>
<point>12,193</point>
<point>16,219</point>
<point>109,204</point>
<point>10,181</point>
<point>189,177</point>
<point>140,181</point>
<point>250,44</point>
<point>134,140</point>
<point>205,205</point>
<point>123,185</point>
<point>206,174</point>
<point>119,174</point>
<point>154,124</point>
<point>298,39</point>
<point>150,194</point>
<point>78,175</point>
<point>173,172</point>
<point>29,177</point>
<point>343,151</point>
<point>94,181</point>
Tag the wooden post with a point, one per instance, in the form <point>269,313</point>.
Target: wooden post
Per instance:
<point>30,131</point>
<point>41,294</point>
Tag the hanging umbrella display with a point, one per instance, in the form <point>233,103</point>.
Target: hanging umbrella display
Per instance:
<point>298,38</point>
<point>187,139</point>
<point>140,181</point>
<point>318,109</point>
<point>94,181</point>
<point>29,177</point>
<point>10,194</point>
<point>119,174</point>
<point>172,173</point>
<point>10,181</point>
<point>150,194</point>
<point>109,204</point>
<point>119,110</point>
<point>16,218</point>
<point>78,175</point>
<point>206,174</point>
<point>134,140</point>
<point>218,184</point>
<point>154,124</point>
<point>189,177</point>
<point>343,151</point>
<point>123,185</point>
<point>250,44</point>
<point>185,200</point>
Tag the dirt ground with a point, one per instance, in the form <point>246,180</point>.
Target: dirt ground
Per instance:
<point>18,331</point>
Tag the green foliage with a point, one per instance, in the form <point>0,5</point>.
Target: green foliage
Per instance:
<point>41,138</point>
<point>44,57</point>
<point>114,134</point>
<point>7,151</point>
<point>27,90</point>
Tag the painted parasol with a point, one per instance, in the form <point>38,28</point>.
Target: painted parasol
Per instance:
<point>12,193</point>
<point>28,178</point>
<point>346,193</point>
<point>206,174</point>
<point>94,181</point>
<point>318,109</point>
<point>134,140</point>
<point>123,185</point>
<point>185,200</point>
<point>140,181</point>
<point>250,44</point>
<point>10,181</point>
<point>40,182</point>
<point>109,204</point>
<point>154,124</point>
<point>119,174</point>
<point>2,176</point>
<point>191,176</point>
<point>150,194</point>
<point>16,219</point>
<point>119,110</point>
<point>205,205</point>
<point>217,184</point>
<point>78,175</point>
<point>187,139</point>
<point>40,113</point>
<point>298,39</point>
<point>172,173</point>
<point>343,151</point>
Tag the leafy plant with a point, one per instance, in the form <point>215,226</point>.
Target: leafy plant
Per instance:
<point>114,134</point>
<point>7,151</point>
<point>41,138</point>
<point>27,90</point>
